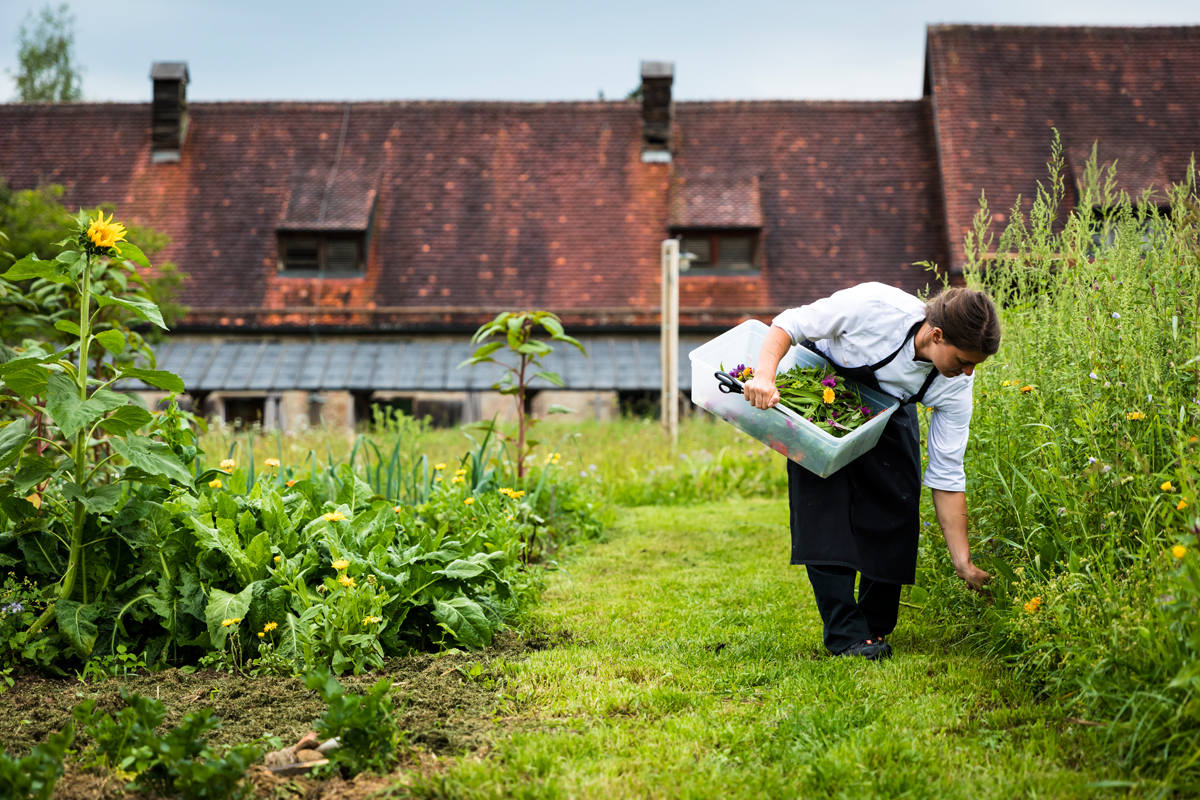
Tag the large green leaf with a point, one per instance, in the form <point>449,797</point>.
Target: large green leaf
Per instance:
<point>96,500</point>
<point>354,493</point>
<point>32,267</point>
<point>142,308</point>
<point>13,438</point>
<point>231,546</point>
<point>160,378</point>
<point>461,570</point>
<point>258,554</point>
<point>26,377</point>
<point>112,341</point>
<point>66,326</point>
<point>35,469</point>
<point>223,606</point>
<point>131,252</point>
<point>153,457</point>
<point>77,624</point>
<point>126,420</point>
<point>72,414</point>
<point>465,620</point>
<point>289,638</point>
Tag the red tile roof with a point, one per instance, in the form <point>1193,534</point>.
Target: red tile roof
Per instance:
<point>716,201</point>
<point>484,205</point>
<point>999,90</point>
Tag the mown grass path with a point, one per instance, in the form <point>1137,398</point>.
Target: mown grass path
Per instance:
<point>697,671</point>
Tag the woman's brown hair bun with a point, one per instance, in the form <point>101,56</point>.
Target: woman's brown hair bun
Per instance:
<point>968,319</point>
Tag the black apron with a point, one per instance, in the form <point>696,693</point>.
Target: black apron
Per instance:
<point>865,516</point>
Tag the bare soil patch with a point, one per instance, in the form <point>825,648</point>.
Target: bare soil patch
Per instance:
<point>446,711</point>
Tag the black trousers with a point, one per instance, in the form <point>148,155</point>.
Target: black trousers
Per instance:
<point>848,621</point>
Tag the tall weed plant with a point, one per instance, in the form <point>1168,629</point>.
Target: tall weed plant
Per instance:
<point>1082,464</point>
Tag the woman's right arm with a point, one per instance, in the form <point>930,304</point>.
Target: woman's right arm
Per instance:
<point>761,390</point>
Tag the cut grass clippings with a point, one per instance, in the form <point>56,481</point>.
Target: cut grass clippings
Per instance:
<point>697,670</point>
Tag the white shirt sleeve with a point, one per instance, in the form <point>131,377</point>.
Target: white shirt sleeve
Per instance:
<point>949,429</point>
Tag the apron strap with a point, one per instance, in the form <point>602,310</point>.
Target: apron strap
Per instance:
<point>911,333</point>
<point>919,396</point>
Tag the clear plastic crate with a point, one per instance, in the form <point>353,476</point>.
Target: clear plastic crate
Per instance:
<point>780,429</point>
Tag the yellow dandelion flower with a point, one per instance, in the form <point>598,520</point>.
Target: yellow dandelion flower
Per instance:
<point>1179,551</point>
<point>468,501</point>
<point>1167,487</point>
<point>261,634</point>
<point>518,495</point>
<point>278,559</point>
<point>439,467</point>
<point>104,232</point>
<point>347,581</point>
<point>438,479</point>
<point>334,516</point>
<point>827,395</point>
<point>270,626</point>
<point>460,472</point>
<point>457,479</point>
<point>215,483</point>
<point>228,464</point>
<point>272,462</point>
<point>1181,505</point>
<point>340,564</point>
<point>1133,415</point>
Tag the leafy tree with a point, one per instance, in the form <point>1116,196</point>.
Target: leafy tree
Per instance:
<point>46,70</point>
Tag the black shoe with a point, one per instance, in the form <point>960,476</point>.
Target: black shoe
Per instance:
<point>870,649</point>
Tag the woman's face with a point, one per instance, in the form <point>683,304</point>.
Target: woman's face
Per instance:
<point>950,360</point>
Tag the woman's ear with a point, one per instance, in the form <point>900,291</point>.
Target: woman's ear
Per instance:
<point>936,336</point>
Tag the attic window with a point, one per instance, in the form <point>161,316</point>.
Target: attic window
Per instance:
<point>722,251</point>
<point>321,255</point>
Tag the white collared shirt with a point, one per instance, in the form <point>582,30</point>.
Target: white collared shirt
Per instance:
<point>865,324</point>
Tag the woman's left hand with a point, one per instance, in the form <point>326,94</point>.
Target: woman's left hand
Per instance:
<point>974,576</point>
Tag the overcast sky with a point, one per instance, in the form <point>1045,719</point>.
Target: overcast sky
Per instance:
<point>364,50</point>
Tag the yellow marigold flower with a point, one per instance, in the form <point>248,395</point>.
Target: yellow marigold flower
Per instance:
<point>347,581</point>
<point>1135,415</point>
<point>1179,551</point>
<point>1026,389</point>
<point>1193,439</point>
<point>104,232</point>
<point>225,623</point>
<point>291,483</point>
<point>278,559</point>
<point>270,626</point>
<point>215,483</point>
<point>272,462</point>
<point>468,501</point>
<point>397,509</point>
<point>438,478</point>
<point>1033,605</point>
<point>371,620</point>
<point>439,467</point>
<point>827,395</point>
<point>261,634</point>
<point>457,479</point>
<point>228,464</point>
<point>1167,487</point>
<point>1181,505</point>
<point>334,516</point>
<point>340,564</point>
<point>460,472</point>
<point>1007,383</point>
<point>518,495</point>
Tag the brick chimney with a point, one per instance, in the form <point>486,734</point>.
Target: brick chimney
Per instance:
<point>658,112</point>
<point>168,111</point>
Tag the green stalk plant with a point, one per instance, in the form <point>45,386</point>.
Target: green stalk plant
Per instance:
<point>519,330</point>
<point>76,429</point>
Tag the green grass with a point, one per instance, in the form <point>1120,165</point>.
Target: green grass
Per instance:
<point>696,670</point>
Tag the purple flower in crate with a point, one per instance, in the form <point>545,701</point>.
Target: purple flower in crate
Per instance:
<point>866,410</point>
<point>832,414</point>
<point>831,381</point>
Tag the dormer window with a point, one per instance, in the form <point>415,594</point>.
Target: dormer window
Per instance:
<point>321,254</point>
<point>722,252</point>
